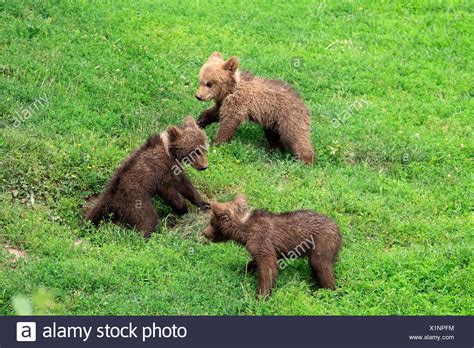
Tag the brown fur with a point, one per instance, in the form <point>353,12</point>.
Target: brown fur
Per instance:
<point>154,169</point>
<point>240,96</point>
<point>273,238</point>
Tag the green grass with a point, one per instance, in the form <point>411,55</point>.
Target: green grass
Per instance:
<point>394,171</point>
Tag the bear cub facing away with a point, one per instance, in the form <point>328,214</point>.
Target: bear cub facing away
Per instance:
<point>240,96</point>
<point>271,239</point>
<point>154,169</point>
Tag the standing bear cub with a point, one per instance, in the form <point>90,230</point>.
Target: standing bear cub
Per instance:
<point>240,96</point>
<point>154,169</point>
<point>272,239</point>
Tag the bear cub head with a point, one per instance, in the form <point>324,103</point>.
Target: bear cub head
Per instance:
<point>217,78</point>
<point>188,144</point>
<point>226,219</point>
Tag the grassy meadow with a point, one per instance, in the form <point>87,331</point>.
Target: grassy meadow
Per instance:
<point>389,85</point>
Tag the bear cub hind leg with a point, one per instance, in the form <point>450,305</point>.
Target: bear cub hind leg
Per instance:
<point>274,142</point>
<point>323,270</point>
<point>302,149</point>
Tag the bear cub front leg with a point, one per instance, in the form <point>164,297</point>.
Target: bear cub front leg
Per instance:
<point>188,191</point>
<point>267,274</point>
<point>209,116</point>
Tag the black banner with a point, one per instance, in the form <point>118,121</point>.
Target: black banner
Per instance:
<point>236,332</point>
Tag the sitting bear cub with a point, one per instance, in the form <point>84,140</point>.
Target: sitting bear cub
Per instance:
<point>271,239</point>
<point>240,96</point>
<point>154,169</point>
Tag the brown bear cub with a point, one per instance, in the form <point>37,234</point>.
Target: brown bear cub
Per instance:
<point>240,96</point>
<point>272,239</point>
<point>154,169</point>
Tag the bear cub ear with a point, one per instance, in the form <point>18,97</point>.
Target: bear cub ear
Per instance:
<point>240,199</point>
<point>174,132</point>
<point>232,64</point>
<point>190,121</point>
<point>241,202</point>
<point>217,208</point>
<point>215,55</point>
